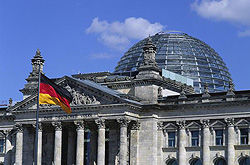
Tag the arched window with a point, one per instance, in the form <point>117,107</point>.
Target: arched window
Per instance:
<point>196,162</point>
<point>245,161</point>
<point>172,162</point>
<point>220,161</point>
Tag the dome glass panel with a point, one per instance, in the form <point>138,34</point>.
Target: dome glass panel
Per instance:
<point>182,54</point>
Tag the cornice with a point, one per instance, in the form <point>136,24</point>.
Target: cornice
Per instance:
<point>80,107</point>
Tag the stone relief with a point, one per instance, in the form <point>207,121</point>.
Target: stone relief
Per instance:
<point>81,98</point>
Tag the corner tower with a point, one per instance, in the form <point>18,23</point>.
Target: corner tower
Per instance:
<point>32,80</point>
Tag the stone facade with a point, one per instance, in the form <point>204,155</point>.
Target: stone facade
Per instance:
<point>142,125</point>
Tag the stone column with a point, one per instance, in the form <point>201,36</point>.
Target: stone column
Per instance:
<point>206,142</point>
<point>8,147</point>
<point>182,142</point>
<point>230,141</point>
<point>123,139</point>
<point>19,145</point>
<point>39,145</point>
<point>80,142</point>
<point>71,145</point>
<point>134,141</point>
<point>58,143</point>
<point>101,141</point>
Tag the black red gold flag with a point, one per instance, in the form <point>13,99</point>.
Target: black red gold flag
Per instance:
<point>51,93</point>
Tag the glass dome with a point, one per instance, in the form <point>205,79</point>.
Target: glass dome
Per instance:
<point>185,55</point>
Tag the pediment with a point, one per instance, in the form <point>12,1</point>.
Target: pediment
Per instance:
<point>170,126</point>
<point>218,124</point>
<point>84,92</point>
<point>193,125</point>
<point>242,122</point>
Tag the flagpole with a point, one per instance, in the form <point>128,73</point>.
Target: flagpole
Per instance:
<point>37,116</point>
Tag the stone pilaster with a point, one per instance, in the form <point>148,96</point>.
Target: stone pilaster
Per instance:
<point>39,144</point>
<point>230,141</point>
<point>182,142</point>
<point>71,145</point>
<point>80,142</point>
<point>206,142</point>
<point>19,144</point>
<point>134,141</point>
<point>58,143</point>
<point>101,141</point>
<point>123,139</point>
<point>160,141</point>
<point>8,147</point>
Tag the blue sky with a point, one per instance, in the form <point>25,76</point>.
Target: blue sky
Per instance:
<point>90,36</point>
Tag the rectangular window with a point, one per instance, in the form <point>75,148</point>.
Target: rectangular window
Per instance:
<point>171,139</point>
<point>243,136</point>
<point>1,145</point>
<point>195,138</point>
<point>219,137</point>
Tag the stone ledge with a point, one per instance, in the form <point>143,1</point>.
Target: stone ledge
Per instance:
<point>197,148</point>
<point>242,147</point>
<point>170,149</point>
<point>217,147</point>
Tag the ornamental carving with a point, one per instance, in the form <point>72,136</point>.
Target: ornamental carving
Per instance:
<point>100,123</point>
<point>57,125</point>
<point>19,127</point>
<point>136,125</point>
<point>160,125</point>
<point>181,124</point>
<point>230,122</point>
<point>39,126</point>
<point>205,123</point>
<point>123,121</point>
<point>79,124</point>
<point>80,98</point>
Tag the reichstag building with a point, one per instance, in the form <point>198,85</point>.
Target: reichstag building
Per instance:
<point>170,101</point>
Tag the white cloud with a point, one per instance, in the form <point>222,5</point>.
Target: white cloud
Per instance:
<point>119,34</point>
<point>234,11</point>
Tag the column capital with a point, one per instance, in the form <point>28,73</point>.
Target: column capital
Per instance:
<point>205,123</point>
<point>79,124</point>
<point>181,124</point>
<point>160,125</point>
<point>19,127</point>
<point>57,125</point>
<point>229,121</point>
<point>123,121</point>
<point>7,132</point>
<point>136,125</point>
<point>39,126</point>
<point>100,123</point>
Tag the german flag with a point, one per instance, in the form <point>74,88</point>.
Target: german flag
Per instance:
<point>51,93</point>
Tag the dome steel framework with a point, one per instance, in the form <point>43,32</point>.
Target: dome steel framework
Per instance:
<point>185,55</point>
